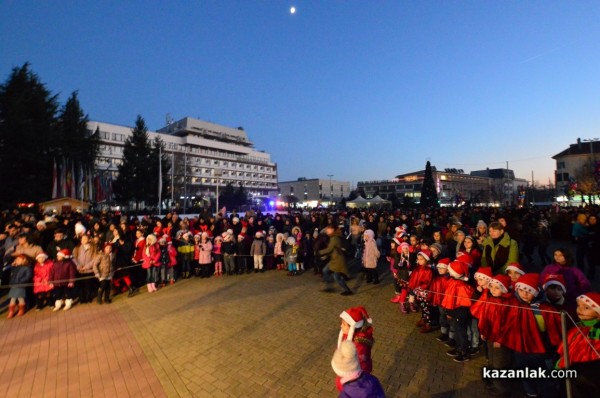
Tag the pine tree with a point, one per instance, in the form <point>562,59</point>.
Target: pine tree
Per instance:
<point>134,183</point>
<point>73,139</point>
<point>429,196</point>
<point>27,138</point>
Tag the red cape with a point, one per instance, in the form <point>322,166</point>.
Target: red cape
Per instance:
<point>438,288</point>
<point>458,294</point>
<point>579,344</point>
<point>420,277</point>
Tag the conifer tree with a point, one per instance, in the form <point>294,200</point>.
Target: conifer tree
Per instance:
<point>429,196</point>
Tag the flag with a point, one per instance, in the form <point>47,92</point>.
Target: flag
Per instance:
<point>63,179</point>
<point>72,181</point>
<point>81,185</point>
<point>54,180</point>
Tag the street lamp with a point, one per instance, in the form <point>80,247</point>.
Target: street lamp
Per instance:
<point>330,190</point>
<point>217,173</point>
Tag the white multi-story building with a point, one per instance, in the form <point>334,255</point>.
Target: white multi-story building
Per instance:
<point>204,154</point>
<point>313,192</point>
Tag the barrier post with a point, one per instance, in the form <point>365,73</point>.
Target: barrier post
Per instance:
<point>563,323</point>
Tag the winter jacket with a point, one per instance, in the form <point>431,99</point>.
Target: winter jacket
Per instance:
<point>103,266</point>
<point>371,254</point>
<point>63,272</point>
<point>259,247</point>
<point>204,252</point>
<point>151,256</point>
<point>19,275</point>
<point>499,254</point>
<point>337,260</point>
<point>84,259</point>
<point>365,386</point>
<point>41,276</point>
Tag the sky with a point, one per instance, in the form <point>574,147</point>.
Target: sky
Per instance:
<point>362,90</point>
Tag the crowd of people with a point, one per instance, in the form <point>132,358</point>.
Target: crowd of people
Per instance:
<point>483,277</point>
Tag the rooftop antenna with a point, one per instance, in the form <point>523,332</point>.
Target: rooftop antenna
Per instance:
<point>169,119</point>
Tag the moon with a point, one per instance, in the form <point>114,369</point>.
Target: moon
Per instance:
<point>292,10</point>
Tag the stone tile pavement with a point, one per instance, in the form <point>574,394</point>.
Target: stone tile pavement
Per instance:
<point>257,335</point>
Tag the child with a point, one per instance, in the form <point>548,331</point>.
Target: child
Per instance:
<point>514,272</point>
<point>370,256</point>
<point>258,251</point>
<point>103,269</point>
<point>278,251</point>
<point>165,261</point>
<point>172,262</point>
<point>151,262</point>
<point>297,234</point>
<point>62,279</point>
<point>19,274</point>
<point>186,255</point>
<point>418,284</point>
<point>205,255</point>
<point>228,249</point>
<point>438,288</point>
<point>583,343</point>
<point>394,258</point>
<point>482,277</point>
<point>555,290</point>
<point>491,312</point>
<point>403,275</point>
<point>532,330</point>
<point>269,261</point>
<point>242,251</point>
<point>196,263</point>
<point>291,256</point>
<point>457,302</point>
<point>357,327</point>
<point>354,382</point>
<point>41,277</point>
<point>218,256</point>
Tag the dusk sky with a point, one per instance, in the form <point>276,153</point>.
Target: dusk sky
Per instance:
<point>363,90</point>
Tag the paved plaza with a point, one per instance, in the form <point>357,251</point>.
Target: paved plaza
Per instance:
<point>257,335</point>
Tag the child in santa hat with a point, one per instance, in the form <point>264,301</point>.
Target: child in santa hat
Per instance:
<point>403,274</point>
<point>482,277</point>
<point>583,343</point>
<point>457,302</point>
<point>41,283</point>
<point>555,290</point>
<point>354,382</point>
<point>357,327</point>
<point>438,288</point>
<point>514,272</point>
<point>62,279</point>
<point>491,312</point>
<point>419,283</point>
<point>393,258</point>
<point>532,330</point>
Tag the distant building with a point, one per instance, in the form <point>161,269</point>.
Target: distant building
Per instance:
<point>205,154</point>
<point>314,192</point>
<point>576,163</point>
<point>454,186</point>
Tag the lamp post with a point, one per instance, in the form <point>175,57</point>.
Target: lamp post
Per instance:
<point>592,163</point>
<point>330,190</point>
<point>218,173</point>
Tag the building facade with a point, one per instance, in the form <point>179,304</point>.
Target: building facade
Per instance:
<point>454,187</point>
<point>205,155</point>
<point>578,165</point>
<point>314,192</point>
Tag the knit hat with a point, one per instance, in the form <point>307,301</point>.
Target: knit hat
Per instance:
<point>42,256</point>
<point>403,245</point>
<point>151,239</point>
<point>290,240</point>
<point>554,279</point>
<point>64,253</point>
<point>592,299</point>
<point>345,360</point>
<point>219,238</point>
<point>436,246</point>
<point>459,270</point>
<point>426,254</point>
<point>443,263</point>
<point>258,234</point>
<point>515,267</point>
<point>481,223</point>
<point>484,273</point>
<point>501,281</point>
<point>79,228</point>
<point>370,233</point>
<point>355,317</point>
<point>529,283</point>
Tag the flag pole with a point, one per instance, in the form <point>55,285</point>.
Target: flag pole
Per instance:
<point>159,178</point>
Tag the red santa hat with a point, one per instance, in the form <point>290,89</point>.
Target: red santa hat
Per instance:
<point>443,263</point>
<point>465,258</point>
<point>356,318</point>
<point>426,254</point>
<point>397,241</point>
<point>484,273</point>
<point>529,283</point>
<point>42,256</point>
<point>592,299</point>
<point>554,279</point>
<point>502,281</point>
<point>459,270</point>
<point>64,253</point>
<point>515,267</point>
